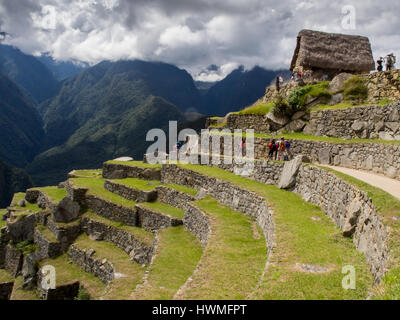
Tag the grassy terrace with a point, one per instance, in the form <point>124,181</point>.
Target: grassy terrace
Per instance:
<point>139,233</point>
<point>28,206</point>
<point>54,193</point>
<point>122,288</point>
<point>87,173</point>
<point>47,233</point>
<point>183,189</point>
<point>68,272</point>
<point>19,294</point>
<point>347,105</point>
<point>176,258</point>
<point>234,259</point>
<point>300,239</point>
<point>306,137</point>
<point>388,207</point>
<point>138,183</point>
<point>5,276</point>
<point>96,188</point>
<point>138,164</point>
<point>163,208</point>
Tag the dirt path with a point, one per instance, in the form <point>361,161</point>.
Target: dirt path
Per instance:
<point>391,186</point>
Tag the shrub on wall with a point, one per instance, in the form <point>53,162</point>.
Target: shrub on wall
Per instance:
<point>355,90</point>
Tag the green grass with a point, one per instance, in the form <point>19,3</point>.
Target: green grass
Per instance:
<point>19,294</point>
<point>47,233</point>
<point>67,272</point>
<point>139,233</point>
<point>54,193</point>
<point>258,109</point>
<point>28,206</point>
<point>164,208</point>
<point>138,183</point>
<point>122,288</point>
<point>346,105</point>
<point>5,276</point>
<point>87,173</point>
<point>388,207</point>
<point>183,189</point>
<point>299,239</point>
<point>138,164</point>
<point>233,260</point>
<point>178,252</point>
<point>96,188</point>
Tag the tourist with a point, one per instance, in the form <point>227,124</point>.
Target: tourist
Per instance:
<point>242,145</point>
<point>288,150</point>
<point>282,149</point>
<point>380,64</point>
<point>272,150</point>
<point>390,62</point>
<point>281,80</point>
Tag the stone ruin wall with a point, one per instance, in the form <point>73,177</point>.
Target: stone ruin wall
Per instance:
<point>374,122</point>
<point>376,157</point>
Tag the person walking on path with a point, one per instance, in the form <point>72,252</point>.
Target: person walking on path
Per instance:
<point>390,62</point>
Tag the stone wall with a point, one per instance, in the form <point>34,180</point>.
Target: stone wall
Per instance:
<point>376,157</point>
<point>112,211</point>
<point>13,260</point>
<point>65,233</point>
<point>130,193</point>
<point>46,248</point>
<point>374,122</point>
<point>101,268</point>
<point>173,197</point>
<point>137,250</point>
<point>151,220</point>
<point>271,94</point>
<point>383,85</point>
<point>121,171</point>
<point>248,121</point>
<point>232,196</point>
<point>197,222</point>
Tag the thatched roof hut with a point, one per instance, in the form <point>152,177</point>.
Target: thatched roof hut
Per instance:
<point>329,51</point>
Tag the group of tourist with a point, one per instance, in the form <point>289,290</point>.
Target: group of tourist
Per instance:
<point>389,61</point>
<point>280,150</point>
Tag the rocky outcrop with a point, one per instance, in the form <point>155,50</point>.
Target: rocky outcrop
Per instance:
<point>383,85</point>
<point>66,211</point>
<point>101,268</point>
<point>289,173</point>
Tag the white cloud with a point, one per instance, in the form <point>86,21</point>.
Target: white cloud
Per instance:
<point>190,34</point>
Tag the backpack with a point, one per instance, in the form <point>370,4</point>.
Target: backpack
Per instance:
<point>282,146</point>
<point>287,144</point>
<point>389,60</point>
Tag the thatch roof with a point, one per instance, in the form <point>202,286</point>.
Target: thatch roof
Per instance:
<point>333,51</point>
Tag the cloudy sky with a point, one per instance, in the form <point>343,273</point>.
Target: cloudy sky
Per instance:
<point>192,34</point>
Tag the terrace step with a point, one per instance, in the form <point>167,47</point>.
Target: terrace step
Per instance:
<point>90,193</point>
<point>110,264</point>
<point>136,242</point>
<point>177,255</point>
<point>47,244</point>
<point>175,195</point>
<point>133,189</point>
<point>131,169</point>
<point>153,216</point>
<point>234,255</point>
